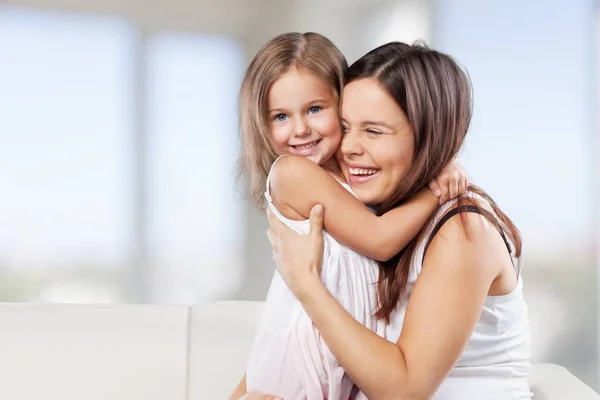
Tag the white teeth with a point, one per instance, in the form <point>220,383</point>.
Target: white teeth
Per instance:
<point>362,171</point>
<point>307,146</point>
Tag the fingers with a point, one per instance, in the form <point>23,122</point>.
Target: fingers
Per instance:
<point>462,187</point>
<point>453,188</point>
<point>271,217</point>
<point>272,236</point>
<point>445,189</point>
<point>274,240</point>
<point>316,220</point>
<point>435,187</point>
<point>452,185</point>
<point>275,223</point>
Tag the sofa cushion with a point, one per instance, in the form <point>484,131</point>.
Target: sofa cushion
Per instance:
<point>553,382</point>
<point>75,352</point>
<point>222,334</point>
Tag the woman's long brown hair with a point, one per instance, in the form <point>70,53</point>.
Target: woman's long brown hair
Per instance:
<point>435,93</point>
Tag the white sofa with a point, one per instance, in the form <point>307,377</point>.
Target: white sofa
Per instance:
<point>147,352</point>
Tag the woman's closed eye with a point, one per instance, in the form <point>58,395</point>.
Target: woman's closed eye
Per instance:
<point>374,131</point>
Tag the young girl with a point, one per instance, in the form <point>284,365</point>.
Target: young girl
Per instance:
<point>289,106</point>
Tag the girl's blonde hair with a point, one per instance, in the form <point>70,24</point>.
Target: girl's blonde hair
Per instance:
<point>311,51</point>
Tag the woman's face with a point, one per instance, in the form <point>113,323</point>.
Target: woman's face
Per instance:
<point>378,143</point>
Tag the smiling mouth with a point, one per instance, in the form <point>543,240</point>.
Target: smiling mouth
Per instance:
<point>306,147</point>
<point>362,172</point>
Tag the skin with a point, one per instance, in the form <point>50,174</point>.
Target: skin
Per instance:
<point>374,120</point>
<point>307,126</point>
<point>309,116</point>
<point>464,264</point>
<point>308,176</point>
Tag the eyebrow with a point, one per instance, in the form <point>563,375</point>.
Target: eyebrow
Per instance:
<point>309,104</point>
<point>277,110</point>
<point>318,101</point>
<point>379,123</point>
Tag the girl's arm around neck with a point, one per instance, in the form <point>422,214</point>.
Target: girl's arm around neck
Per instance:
<point>299,184</point>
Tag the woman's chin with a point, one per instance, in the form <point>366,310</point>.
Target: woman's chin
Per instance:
<point>363,195</point>
<point>370,196</point>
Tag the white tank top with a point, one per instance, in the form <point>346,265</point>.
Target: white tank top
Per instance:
<point>495,364</point>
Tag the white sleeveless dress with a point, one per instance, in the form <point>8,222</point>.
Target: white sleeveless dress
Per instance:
<point>495,364</point>
<point>289,358</point>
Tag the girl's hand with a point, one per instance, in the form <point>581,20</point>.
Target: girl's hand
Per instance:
<point>298,257</point>
<point>452,182</point>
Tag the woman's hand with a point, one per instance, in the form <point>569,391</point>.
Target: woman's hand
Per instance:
<point>298,257</point>
<point>452,182</point>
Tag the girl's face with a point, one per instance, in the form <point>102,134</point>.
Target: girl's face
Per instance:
<point>378,144</point>
<point>303,116</point>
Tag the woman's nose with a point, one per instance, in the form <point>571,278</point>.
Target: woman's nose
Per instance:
<point>351,144</point>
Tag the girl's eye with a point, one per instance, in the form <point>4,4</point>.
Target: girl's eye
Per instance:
<point>345,129</point>
<point>280,117</point>
<point>375,132</point>
<point>314,109</point>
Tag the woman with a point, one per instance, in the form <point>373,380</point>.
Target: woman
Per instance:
<point>291,129</point>
<point>453,297</point>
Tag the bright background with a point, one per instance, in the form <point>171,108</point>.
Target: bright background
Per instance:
<point>118,143</point>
